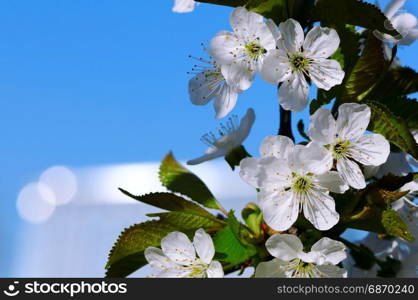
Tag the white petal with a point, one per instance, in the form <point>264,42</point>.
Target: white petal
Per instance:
<point>243,20</point>
<point>321,42</point>
<point>393,7</point>
<point>238,76</point>
<point>294,93</point>
<point>326,73</point>
<point>352,121</point>
<point>410,37</point>
<point>265,37</point>
<point>284,246</point>
<point>210,154</point>
<point>274,29</point>
<point>332,181</point>
<point>179,272</point>
<point>312,158</point>
<point>266,172</point>
<point>202,88</point>
<point>204,246</point>
<point>215,270</point>
<point>329,251</point>
<point>158,260</point>
<point>370,150</point>
<point>404,22</point>
<point>183,6</point>
<point>410,186</point>
<point>223,47</point>
<point>269,173</point>
<point>351,173</point>
<point>292,35</point>
<point>177,247</point>
<point>331,271</point>
<point>225,101</point>
<point>278,145</point>
<point>322,128</point>
<point>280,208</point>
<point>319,209</point>
<point>250,171</point>
<point>396,164</point>
<point>245,126</point>
<point>271,269</point>
<point>249,25</point>
<point>276,67</point>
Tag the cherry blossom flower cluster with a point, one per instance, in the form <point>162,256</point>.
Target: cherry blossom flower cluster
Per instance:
<point>291,179</point>
<point>177,258</point>
<point>282,55</point>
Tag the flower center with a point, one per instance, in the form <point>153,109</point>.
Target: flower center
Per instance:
<point>301,184</point>
<point>304,270</point>
<point>226,134</point>
<point>198,271</point>
<point>254,50</point>
<point>300,269</point>
<point>299,62</point>
<point>340,149</point>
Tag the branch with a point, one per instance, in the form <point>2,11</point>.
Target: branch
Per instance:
<point>286,123</point>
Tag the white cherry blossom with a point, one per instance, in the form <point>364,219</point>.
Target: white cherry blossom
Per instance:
<point>183,6</point>
<point>405,23</point>
<point>408,210</point>
<point>292,178</point>
<point>209,84</point>
<point>398,164</point>
<point>243,49</point>
<point>292,262</point>
<point>346,140</point>
<point>298,57</point>
<point>410,159</point>
<point>397,248</point>
<point>177,257</point>
<point>231,135</point>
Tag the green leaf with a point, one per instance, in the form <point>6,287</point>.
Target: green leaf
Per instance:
<point>348,52</point>
<point>368,219</point>
<point>185,220</point>
<point>363,257</point>
<point>389,268</point>
<point>395,226</point>
<point>178,179</point>
<point>281,10</point>
<point>363,209</point>
<point>301,129</point>
<point>399,81</point>
<point>402,106</point>
<point>323,98</point>
<point>272,9</point>
<point>366,72</point>
<point>310,237</point>
<point>127,254</point>
<point>253,217</point>
<point>234,157</point>
<point>233,3</point>
<point>229,241</point>
<point>169,202</point>
<point>352,12</point>
<point>391,182</point>
<point>393,128</point>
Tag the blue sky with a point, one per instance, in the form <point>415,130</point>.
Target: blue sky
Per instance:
<point>87,83</point>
